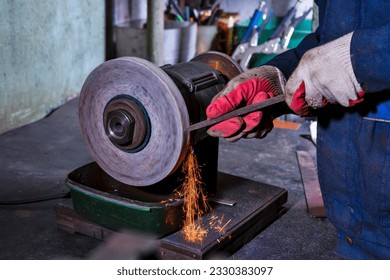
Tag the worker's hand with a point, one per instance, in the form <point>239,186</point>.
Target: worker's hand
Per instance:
<point>252,86</point>
<point>323,75</point>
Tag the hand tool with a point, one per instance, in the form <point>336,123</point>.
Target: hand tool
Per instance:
<point>238,112</point>
<point>278,41</point>
<point>255,19</point>
<point>178,10</point>
<point>286,21</point>
<point>216,13</point>
<point>250,38</point>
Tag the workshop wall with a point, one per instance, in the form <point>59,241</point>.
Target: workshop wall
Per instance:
<point>47,49</point>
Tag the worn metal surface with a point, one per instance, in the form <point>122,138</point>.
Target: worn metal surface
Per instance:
<point>257,205</point>
<point>47,49</point>
<point>307,166</point>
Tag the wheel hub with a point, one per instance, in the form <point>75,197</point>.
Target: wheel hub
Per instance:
<point>126,123</point>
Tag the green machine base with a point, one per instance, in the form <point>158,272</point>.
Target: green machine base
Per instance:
<point>103,200</point>
<point>247,207</point>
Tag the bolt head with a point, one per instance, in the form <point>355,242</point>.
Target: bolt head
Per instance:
<point>120,127</point>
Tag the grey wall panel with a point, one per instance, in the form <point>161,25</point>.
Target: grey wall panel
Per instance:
<point>47,49</point>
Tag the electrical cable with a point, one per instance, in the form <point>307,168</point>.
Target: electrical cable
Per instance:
<point>35,199</point>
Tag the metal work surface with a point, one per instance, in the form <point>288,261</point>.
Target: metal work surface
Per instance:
<point>254,206</point>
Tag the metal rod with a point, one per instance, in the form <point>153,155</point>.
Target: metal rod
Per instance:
<point>238,112</point>
<point>222,201</point>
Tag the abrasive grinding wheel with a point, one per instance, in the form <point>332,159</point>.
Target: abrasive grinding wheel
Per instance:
<point>133,119</point>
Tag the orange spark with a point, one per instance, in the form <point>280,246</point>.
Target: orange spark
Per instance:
<point>195,201</point>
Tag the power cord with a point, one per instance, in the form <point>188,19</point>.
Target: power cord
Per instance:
<point>36,199</point>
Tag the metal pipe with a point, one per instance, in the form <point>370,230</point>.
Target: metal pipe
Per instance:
<point>155,31</point>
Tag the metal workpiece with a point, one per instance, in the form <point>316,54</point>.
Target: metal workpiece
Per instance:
<point>279,99</point>
<point>134,115</point>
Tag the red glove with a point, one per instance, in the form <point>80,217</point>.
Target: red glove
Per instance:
<point>301,108</point>
<point>253,86</point>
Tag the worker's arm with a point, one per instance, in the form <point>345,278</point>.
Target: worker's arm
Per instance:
<point>341,71</point>
<point>253,86</point>
<point>359,62</point>
<point>288,61</point>
<point>324,75</point>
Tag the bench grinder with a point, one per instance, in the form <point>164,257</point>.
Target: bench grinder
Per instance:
<point>134,117</point>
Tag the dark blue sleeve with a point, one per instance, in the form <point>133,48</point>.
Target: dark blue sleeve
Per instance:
<point>288,60</point>
<point>370,56</point>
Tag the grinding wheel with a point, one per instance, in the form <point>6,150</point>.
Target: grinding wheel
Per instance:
<point>133,119</point>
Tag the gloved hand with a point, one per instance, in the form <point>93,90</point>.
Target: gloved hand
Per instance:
<point>323,75</point>
<point>252,86</point>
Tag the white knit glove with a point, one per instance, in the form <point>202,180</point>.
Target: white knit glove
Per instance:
<point>323,75</point>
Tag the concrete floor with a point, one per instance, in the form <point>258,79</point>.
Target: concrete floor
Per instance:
<point>36,159</point>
